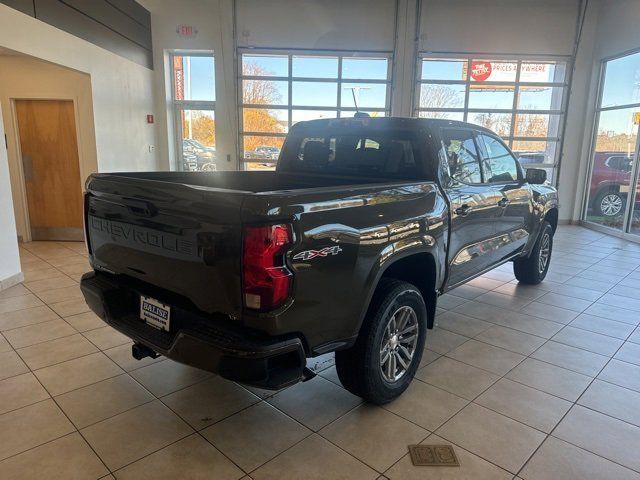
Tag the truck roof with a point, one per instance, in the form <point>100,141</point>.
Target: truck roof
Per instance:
<point>384,122</point>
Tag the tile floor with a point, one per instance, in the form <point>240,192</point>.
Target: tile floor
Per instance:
<point>527,382</point>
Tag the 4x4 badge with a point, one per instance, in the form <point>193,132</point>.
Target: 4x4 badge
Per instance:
<point>310,254</point>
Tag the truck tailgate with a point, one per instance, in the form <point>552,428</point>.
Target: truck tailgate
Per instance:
<point>178,238</point>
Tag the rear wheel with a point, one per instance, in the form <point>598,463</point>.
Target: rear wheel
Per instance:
<point>386,355</point>
<point>534,268</point>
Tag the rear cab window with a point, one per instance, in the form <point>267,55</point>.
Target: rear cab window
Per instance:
<point>391,153</point>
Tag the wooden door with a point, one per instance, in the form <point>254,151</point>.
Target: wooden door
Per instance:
<point>49,147</point>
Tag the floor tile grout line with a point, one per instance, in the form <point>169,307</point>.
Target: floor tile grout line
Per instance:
<point>48,340</point>
<point>501,325</point>
<point>28,404</point>
<point>76,358</point>
<point>193,432</point>
<point>523,307</point>
<point>429,433</point>
<point>52,398</point>
<point>78,430</point>
<point>582,348</point>
<point>526,356</point>
<point>504,376</point>
<point>460,447</point>
<point>32,324</point>
<point>574,403</point>
<point>55,440</point>
<point>198,431</point>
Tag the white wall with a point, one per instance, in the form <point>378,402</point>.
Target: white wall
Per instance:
<point>313,24</point>
<point>580,113</point>
<point>532,27</point>
<point>618,29</point>
<point>9,258</point>
<point>23,77</point>
<point>122,90</point>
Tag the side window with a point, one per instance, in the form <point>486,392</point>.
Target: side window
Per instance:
<point>462,155</point>
<point>618,162</point>
<point>499,165</point>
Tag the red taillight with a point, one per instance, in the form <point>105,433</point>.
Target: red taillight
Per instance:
<point>267,281</point>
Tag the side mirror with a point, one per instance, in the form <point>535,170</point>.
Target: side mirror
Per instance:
<point>536,176</point>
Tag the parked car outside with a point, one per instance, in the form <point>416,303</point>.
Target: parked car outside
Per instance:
<point>610,183</point>
<point>205,156</point>
<point>264,151</point>
<point>526,158</point>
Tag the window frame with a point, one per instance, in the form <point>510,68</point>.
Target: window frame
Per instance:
<point>290,78</point>
<point>178,106</point>
<point>517,83</point>
<point>625,230</point>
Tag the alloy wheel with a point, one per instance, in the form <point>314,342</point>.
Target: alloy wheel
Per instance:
<point>545,252</point>
<point>611,204</point>
<point>398,346</point>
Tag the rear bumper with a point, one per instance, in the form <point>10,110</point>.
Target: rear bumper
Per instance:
<point>197,339</point>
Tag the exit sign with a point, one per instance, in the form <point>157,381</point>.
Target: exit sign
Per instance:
<point>187,31</point>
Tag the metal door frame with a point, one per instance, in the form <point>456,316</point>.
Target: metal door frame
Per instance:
<point>625,231</point>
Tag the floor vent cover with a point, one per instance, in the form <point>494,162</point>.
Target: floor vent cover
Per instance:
<point>433,456</point>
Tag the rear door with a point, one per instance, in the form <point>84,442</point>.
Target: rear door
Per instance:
<point>502,172</point>
<point>474,207</point>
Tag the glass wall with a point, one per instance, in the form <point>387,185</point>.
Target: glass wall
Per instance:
<point>280,88</point>
<point>194,102</point>
<point>521,100</point>
<point>613,199</point>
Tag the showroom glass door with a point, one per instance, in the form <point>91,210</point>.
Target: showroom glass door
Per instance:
<point>613,196</point>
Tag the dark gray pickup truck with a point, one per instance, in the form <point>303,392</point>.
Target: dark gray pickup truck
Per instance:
<point>345,247</point>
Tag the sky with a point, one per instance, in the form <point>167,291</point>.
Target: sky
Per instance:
<point>199,78</point>
<point>325,94</point>
<point>621,87</point>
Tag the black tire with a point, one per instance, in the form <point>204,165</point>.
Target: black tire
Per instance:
<point>359,367</point>
<point>609,202</point>
<point>530,270</point>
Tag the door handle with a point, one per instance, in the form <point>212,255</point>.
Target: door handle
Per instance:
<point>504,202</point>
<point>463,210</point>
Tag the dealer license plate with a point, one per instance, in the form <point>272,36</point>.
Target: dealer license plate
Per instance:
<point>155,313</point>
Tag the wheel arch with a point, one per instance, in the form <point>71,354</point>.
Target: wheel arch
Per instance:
<point>606,186</point>
<point>418,269</point>
<point>552,217</point>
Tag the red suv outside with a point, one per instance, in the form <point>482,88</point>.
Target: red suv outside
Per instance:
<point>610,180</point>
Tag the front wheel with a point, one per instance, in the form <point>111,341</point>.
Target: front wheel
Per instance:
<point>386,355</point>
<point>534,268</point>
